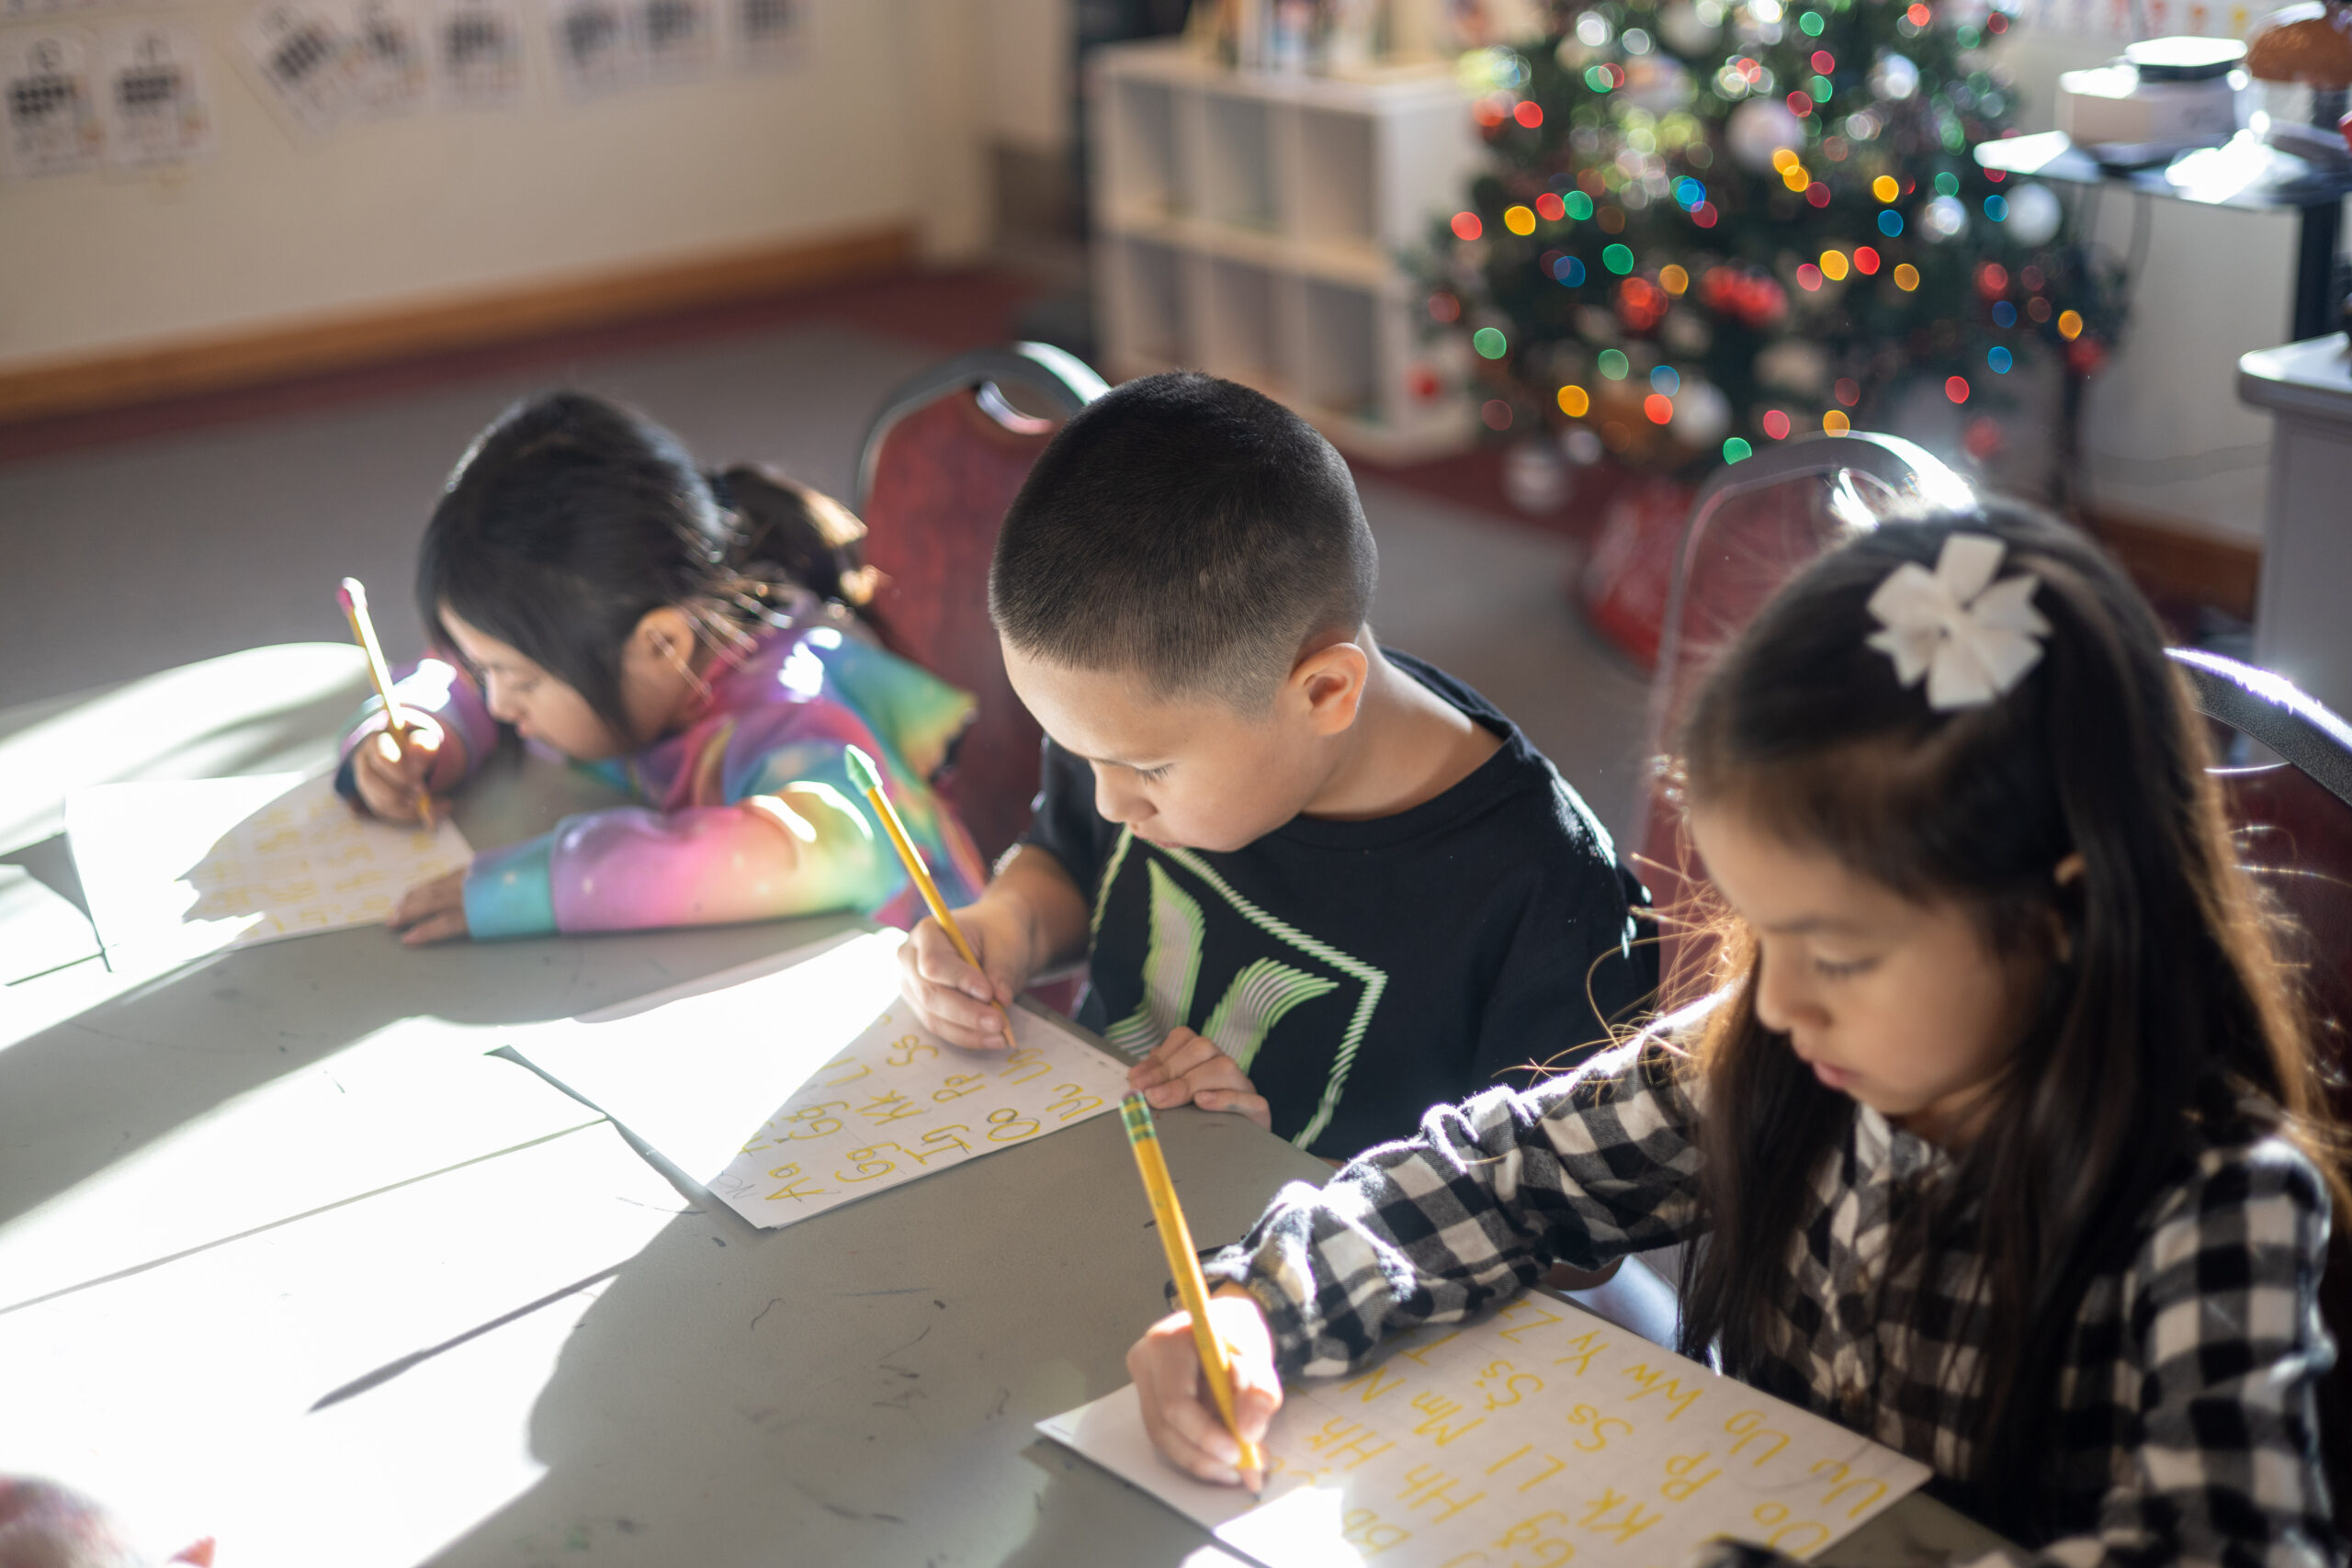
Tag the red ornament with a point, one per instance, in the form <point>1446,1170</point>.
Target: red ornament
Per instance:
<point>2085,357</point>
<point>1423,383</point>
<point>1956,388</point>
<point>1641,304</point>
<point>1550,207</point>
<point>1466,226</point>
<point>1801,102</point>
<point>1753,298</point>
<point>1992,281</point>
<point>1776,424</point>
<point>1984,437</point>
<point>1817,193</point>
<point>1866,261</point>
<point>1529,114</point>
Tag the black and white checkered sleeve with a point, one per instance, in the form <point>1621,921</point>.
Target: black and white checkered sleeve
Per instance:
<point>1584,1168</point>
<point>2218,1349</point>
<point>2224,1351</point>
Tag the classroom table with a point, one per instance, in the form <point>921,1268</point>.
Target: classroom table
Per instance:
<point>287,1257</point>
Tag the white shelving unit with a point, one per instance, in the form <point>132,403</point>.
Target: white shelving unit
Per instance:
<point>1251,225</point>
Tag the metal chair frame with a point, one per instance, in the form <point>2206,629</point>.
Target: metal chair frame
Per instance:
<point>2277,713</point>
<point>1065,382</point>
<point>1903,467</point>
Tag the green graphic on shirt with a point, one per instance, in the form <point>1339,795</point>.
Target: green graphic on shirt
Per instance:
<point>1170,966</point>
<point>1259,996</point>
<point>1255,1002</point>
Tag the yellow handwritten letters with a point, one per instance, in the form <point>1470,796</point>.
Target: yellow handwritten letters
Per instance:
<point>190,866</point>
<point>900,1103</point>
<point>1537,1438</point>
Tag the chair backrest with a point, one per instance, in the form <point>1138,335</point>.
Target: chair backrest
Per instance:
<point>2294,818</point>
<point>1755,525</point>
<point>941,462</point>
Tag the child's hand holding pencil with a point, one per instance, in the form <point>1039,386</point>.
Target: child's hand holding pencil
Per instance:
<point>396,775</point>
<point>1205,1376</point>
<point>394,769</point>
<point>1178,1410</point>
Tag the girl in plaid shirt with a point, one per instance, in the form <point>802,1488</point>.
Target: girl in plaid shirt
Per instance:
<point>2000,1141</point>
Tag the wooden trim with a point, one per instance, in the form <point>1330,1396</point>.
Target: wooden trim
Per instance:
<point>358,339</point>
<point>2185,560</point>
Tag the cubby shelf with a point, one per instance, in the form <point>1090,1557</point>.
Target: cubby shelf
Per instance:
<point>1252,225</point>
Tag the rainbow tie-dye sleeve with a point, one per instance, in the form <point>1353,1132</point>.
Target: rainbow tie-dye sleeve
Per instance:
<point>764,821</point>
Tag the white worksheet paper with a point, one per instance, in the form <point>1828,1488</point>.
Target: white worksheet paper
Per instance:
<point>1535,1437</point>
<point>186,867</point>
<point>787,1094</point>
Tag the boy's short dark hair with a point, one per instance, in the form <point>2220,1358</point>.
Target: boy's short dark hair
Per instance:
<point>1188,530</point>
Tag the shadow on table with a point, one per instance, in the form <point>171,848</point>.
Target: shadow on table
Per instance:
<point>80,1092</point>
<point>93,1088</point>
<point>863,1386</point>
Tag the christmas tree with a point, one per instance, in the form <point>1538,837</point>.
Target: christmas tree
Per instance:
<point>1709,226</point>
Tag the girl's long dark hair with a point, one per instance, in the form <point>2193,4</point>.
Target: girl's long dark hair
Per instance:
<point>571,518</point>
<point>2165,996</point>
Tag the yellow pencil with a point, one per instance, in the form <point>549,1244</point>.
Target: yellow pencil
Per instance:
<point>1176,1236</point>
<point>868,778</point>
<point>353,600</point>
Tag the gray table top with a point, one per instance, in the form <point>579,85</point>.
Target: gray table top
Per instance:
<point>286,1258</point>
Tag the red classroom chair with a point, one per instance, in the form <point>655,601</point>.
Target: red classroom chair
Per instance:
<point>939,463</point>
<point>2294,830</point>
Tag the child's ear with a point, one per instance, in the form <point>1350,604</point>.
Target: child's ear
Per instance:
<point>664,638</point>
<point>2066,911</point>
<point>1330,682</point>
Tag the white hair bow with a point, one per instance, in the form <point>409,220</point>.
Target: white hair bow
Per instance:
<point>1972,638</point>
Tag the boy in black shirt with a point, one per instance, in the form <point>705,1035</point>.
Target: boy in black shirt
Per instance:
<point>1321,884</point>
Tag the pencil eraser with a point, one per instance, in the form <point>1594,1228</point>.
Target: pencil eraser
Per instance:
<point>861,770</point>
<point>351,596</point>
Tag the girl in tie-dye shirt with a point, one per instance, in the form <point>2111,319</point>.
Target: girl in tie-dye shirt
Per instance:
<point>683,637</point>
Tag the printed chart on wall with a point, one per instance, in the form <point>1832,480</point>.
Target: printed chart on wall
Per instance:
<point>305,60</point>
<point>174,870</point>
<point>56,125</point>
<point>784,1093</point>
<point>77,98</point>
<point>158,109</point>
<point>478,47</point>
<point>1536,1437</point>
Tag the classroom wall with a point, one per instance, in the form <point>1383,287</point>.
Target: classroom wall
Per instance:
<point>2163,434</point>
<point>878,126</point>
<point>1028,95</point>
